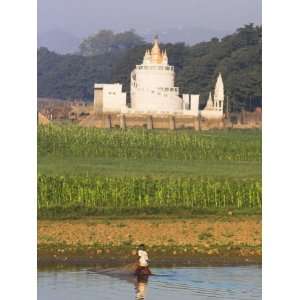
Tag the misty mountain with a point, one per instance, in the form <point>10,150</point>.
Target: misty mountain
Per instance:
<point>59,41</point>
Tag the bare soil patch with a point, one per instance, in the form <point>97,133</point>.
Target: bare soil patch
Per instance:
<point>101,241</point>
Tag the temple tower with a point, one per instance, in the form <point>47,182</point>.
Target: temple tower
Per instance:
<point>219,94</point>
<point>153,84</point>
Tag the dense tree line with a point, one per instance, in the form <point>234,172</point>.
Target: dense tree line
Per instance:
<point>236,56</point>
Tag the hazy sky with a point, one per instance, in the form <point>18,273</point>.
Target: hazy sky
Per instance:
<point>82,17</point>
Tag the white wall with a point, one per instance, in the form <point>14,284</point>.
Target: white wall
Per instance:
<point>155,78</point>
<point>195,103</point>
<point>186,101</point>
<point>145,101</point>
<point>153,90</point>
<point>109,97</point>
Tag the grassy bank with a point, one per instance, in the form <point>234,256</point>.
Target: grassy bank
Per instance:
<point>228,239</point>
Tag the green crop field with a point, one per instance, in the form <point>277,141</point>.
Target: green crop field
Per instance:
<point>240,145</point>
<point>85,166</point>
<point>89,171</point>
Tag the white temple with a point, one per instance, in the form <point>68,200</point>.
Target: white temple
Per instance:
<point>153,84</point>
<point>153,91</point>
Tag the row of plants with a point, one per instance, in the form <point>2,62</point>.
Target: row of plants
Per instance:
<point>77,141</point>
<point>102,195</point>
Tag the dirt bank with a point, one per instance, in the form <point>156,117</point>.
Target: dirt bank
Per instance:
<point>202,241</point>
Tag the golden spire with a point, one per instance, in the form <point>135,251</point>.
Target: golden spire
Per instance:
<point>156,55</point>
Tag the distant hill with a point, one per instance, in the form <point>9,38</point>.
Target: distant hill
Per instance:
<point>59,41</point>
<point>237,56</point>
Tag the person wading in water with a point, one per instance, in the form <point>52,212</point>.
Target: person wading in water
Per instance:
<point>143,262</point>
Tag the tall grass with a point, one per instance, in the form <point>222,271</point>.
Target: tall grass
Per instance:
<point>142,144</point>
<point>58,195</point>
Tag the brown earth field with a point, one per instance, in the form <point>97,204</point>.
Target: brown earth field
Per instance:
<point>210,240</point>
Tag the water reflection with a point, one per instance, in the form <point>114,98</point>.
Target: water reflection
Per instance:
<point>226,283</point>
<point>141,287</point>
<point>139,282</point>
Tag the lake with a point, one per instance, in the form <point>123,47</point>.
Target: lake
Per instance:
<point>230,283</point>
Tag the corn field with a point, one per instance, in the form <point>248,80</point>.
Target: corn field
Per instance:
<point>77,141</point>
<point>81,195</point>
<point>139,194</point>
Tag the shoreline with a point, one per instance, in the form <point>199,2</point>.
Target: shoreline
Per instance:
<point>204,261</point>
<point>161,256</point>
<point>205,241</point>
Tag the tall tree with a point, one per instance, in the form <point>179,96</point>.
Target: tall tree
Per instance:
<point>105,41</point>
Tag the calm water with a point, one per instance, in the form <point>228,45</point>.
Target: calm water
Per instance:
<point>230,283</point>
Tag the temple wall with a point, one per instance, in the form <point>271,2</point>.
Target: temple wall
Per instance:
<point>144,101</point>
<point>211,114</point>
<point>195,104</point>
<point>114,103</point>
<point>155,78</point>
<point>171,122</point>
<point>186,101</point>
<point>109,98</point>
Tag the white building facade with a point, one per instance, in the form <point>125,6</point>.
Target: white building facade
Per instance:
<point>109,98</point>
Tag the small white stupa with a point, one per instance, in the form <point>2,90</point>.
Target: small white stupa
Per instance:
<point>219,94</point>
<point>209,103</point>
<point>214,106</point>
